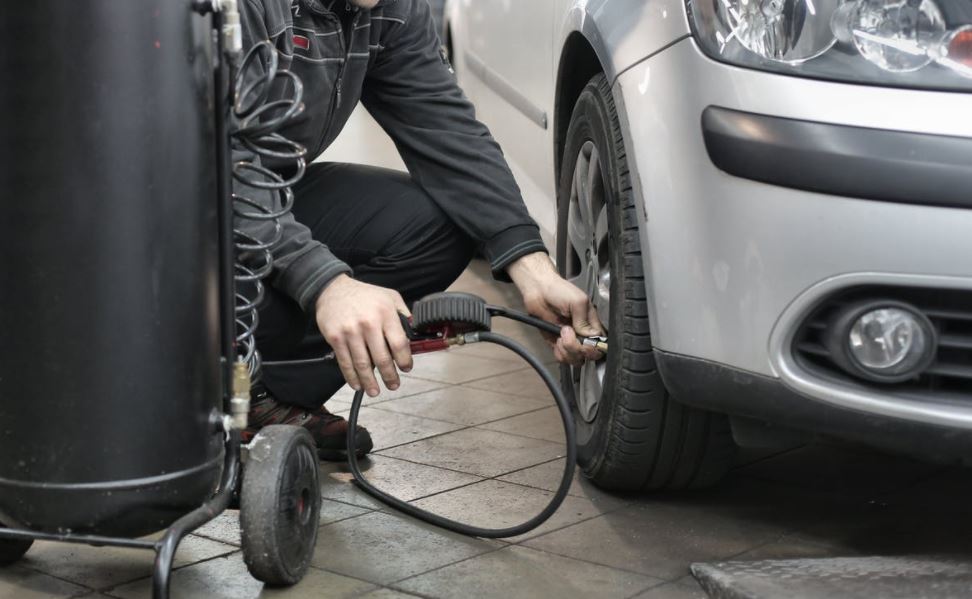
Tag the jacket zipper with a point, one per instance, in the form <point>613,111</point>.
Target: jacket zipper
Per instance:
<point>336,95</point>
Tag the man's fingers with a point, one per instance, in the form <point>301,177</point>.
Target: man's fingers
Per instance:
<point>398,343</point>
<point>565,357</point>
<point>382,358</point>
<point>597,327</point>
<point>400,305</point>
<point>343,356</point>
<point>583,316</point>
<point>363,367</point>
<point>572,347</point>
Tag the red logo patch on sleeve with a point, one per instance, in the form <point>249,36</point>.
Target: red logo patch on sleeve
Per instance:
<point>301,42</point>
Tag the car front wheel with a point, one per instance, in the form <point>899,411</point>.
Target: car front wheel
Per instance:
<point>630,433</point>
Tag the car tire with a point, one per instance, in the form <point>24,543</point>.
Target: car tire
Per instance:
<point>631,434</point>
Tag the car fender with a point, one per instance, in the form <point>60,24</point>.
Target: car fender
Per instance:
<point>624,32</point>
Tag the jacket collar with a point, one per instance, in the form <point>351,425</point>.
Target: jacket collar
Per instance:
<point>326,7</point>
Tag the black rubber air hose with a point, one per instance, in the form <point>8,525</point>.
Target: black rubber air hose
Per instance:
<point>489,533</point>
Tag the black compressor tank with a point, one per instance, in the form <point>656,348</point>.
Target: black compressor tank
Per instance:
<point>109,268</point>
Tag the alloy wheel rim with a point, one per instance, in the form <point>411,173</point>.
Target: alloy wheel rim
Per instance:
<point>588,264</point>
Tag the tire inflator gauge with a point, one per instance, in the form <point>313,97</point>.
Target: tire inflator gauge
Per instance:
<point>444,320</point>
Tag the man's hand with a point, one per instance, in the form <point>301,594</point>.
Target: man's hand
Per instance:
<point>360,322</point>
<point>549,296</point>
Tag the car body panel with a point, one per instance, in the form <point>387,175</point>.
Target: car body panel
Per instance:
<point>726,254</point>
<point>621,32</point>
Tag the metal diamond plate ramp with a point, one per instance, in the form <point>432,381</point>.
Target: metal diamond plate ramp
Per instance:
<point>838,578</point>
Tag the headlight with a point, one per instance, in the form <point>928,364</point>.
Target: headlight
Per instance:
<point>913,43</point>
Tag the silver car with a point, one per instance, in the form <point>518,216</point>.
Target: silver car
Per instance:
<point>770,204</point>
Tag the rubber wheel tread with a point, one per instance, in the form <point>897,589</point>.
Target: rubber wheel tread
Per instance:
<point>11,550</point>
<point>280,504</point>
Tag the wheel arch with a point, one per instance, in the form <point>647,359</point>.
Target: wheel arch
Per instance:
<point>579,62</point>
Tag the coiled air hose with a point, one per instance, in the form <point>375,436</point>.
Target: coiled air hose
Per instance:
<point>440,316</point>
<point>259,120</point>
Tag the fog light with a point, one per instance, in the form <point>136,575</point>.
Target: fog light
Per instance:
<point>886,342</point>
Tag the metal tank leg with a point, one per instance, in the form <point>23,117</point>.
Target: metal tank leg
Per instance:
<point>166,547</point>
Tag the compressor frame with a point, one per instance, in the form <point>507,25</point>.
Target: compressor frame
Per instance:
<point>235,379</point>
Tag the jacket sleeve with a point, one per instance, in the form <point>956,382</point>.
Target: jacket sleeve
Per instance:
<point>302,266</point>
<point>412,92</point>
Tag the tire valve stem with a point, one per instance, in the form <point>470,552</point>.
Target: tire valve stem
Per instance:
<point>240,401</point>
<point>598,343</point>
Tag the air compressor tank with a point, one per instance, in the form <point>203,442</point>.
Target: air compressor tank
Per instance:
<point>109,286</point>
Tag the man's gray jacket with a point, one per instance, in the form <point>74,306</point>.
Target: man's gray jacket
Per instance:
<point>388,57</point>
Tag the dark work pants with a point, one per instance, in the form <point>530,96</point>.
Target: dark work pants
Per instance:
<point>389,231</point>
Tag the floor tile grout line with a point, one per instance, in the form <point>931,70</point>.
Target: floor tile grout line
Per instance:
<point>465,559</point>
<point>586,561</point>
<point>345,519</point>
<point>410,576</point>
<point>108,590</point>
<point>458,423</point>
<point>662,582</point>
<point>468,427</point>
<point>482,378</point>
<point>485,378</point>
<point>89,589</point>
<point>350,504</point>
<point>376,401</point>
<point>368,513</point>
<point>463,427</point>
<point>428,465</point>
<point>377,585</point>
<point>511,545</point>
<point>544,463</point>
<point>623,503</point>
<point>209,538</point>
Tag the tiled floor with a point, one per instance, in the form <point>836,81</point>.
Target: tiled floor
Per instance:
<point>471,435</point>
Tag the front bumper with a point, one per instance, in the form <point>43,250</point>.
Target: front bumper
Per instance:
<point>731,260</point>
<point>764,398</point>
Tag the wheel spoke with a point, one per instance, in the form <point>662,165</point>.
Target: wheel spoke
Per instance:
<point>582,176</point>
<point>602,303</point>
<point>578,231</point>
<point>582,279</point>
<point>601,227</point>
<point>580,188</point>
<point>589,389</point>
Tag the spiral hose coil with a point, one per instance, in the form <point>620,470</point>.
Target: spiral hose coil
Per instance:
<point>258,122</point>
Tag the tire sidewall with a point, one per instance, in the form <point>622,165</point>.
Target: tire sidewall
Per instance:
<point>590,121</point>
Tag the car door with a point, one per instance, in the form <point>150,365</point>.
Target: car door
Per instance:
<point>509,51</point>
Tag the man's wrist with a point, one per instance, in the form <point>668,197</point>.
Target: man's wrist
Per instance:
<point>526,271</point>
<point>339,280</point>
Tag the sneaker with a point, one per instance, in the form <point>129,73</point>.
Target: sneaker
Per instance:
<point>330,431</point>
